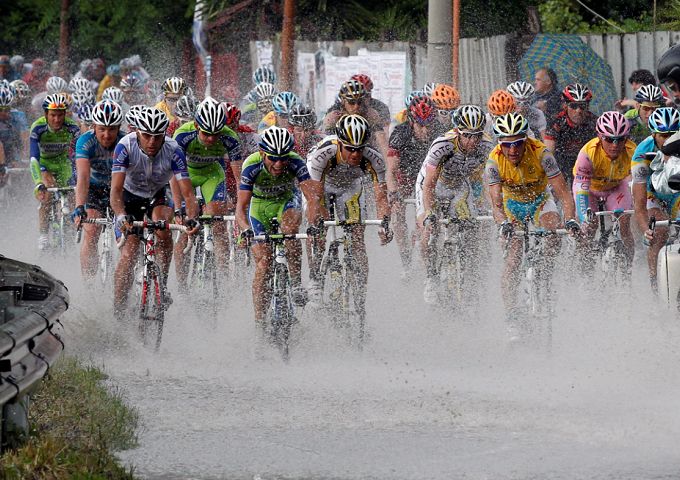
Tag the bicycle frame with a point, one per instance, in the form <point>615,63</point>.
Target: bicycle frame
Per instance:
<point>57,216</point>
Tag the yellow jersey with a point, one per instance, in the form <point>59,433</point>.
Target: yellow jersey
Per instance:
<point>527,180</point>
<point>604,173</point>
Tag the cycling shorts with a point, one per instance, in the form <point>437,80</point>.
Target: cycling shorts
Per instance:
<point>62,171</point>
<point>211,179</point>
<point>347,202</point>
<point>139,206</point>
<point>98,197</point>
<point>262,210</point>
<point>618,198</point>
<point>667,203</point>
<point>517,211</point>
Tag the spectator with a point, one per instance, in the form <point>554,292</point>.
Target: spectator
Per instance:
<point>548,96</point>
<point>637,79</point>
<point>4,68</point>
<point>38,75</point>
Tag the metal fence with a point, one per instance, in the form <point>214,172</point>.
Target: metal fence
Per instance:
<point>31,302</point>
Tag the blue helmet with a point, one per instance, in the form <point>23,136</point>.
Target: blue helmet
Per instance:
<point>264,75</point>
<point>283,102</point>
<point>664,120</point>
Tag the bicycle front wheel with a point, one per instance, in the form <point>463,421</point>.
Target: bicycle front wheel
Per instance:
<point>281,312</point>
<point>152,308</point>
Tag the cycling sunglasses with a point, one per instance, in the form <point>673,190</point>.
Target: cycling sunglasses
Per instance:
<point>515,143</point>
<point>615,140</point>
<point>351,149</point>
<point>471,134</point>
<point>277,158</point>
<point>578,106</point>
<point>352,101</point>
<point>445,113</point>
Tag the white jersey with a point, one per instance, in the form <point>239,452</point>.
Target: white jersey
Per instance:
<point>455,166</point>
<point>325,165</point>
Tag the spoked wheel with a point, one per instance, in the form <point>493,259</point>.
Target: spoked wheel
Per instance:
<point>152,308</point>
<point>540,309</point>
<point>281,314</point>
<point>356,306</point>
<point>206,280</point>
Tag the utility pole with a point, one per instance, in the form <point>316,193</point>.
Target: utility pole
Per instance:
<point>455,62</point>
<point>440,27</point>
<point>287,74</point>
<point>63,39</point>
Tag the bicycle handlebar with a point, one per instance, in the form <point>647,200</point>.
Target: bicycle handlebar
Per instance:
<point>615,212</point>
<point>160,225</point>
<point>480,218</point>
<point>344,223</point>
<point>59,189</point>
<point>280,236</point>
<point>541,232</point>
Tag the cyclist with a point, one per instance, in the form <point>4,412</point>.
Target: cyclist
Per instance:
<point>379,106</point>
<point>648,99</point>
<point>517,173</point>
<point>184,112</point>
<point>409,144</point>
<point>402,115</point>
<point>52,142</point>
<point>173,88</point>
<point>663,123</point>
<point>144,162</point>
<point>446,99</point>
<point>132,86</point>
<point>352,97</point>
<point>499,103</point>
<point>94,158</point>
<point>602,172</point>
<point>13,129</point>
<point>302,120</point>
<point>263,94</point>
<point>445,183</point>
<point>209,145</point>
<point>52,85</point>
<point>282,102</point>
<point>268,189</point>
<point>572,128</point>
<point>22,94</point>
<point>340,163</point>
<point>523,93</point>
<point>248,137</point>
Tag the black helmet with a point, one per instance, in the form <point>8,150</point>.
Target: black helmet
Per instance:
<point>668,66</point>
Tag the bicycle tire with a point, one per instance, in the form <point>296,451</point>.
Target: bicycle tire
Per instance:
<point>152,308</point>
<point>281,312</point>
<point>356,300</point>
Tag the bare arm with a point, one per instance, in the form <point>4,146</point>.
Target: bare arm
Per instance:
<point>381,203</point>
<point>116,199</point>
<point>392,170</point>
<point>313,191</point>
<point>549,143</point>
<point>640,205</point>
<point>496,195</point>
<point>187,192</point>
<point>563,194</point>
<point>431,176</point>
<point>242,203</point>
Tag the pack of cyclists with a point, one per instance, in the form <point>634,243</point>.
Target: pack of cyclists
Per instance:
<point>139,148</point>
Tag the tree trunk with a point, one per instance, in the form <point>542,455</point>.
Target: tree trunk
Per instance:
<point>288,46</point>
<point>63,40</point>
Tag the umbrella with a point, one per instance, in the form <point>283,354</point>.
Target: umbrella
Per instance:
<point>573,61</point>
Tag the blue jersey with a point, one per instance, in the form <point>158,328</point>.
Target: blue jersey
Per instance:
<point>100,158</point>
<point>640,163</point>
<point>10,134</point>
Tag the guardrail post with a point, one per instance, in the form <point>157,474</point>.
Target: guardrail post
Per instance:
<point>14,423</point>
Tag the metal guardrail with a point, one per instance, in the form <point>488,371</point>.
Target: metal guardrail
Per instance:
<point>31,302</point>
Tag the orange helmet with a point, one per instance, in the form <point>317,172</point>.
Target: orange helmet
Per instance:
<point>445,97</point>
<point>501,102</point>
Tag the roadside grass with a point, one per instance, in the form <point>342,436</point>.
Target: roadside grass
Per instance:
<point>77,421</point>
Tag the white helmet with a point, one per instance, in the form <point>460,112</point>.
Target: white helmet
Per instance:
<point>353,130</point>
<point>210,116</point>
<point>523,92</point>
<point>510,124</point>
<point>276,141</point>
<point>79,83</point>
<point>21,88</point>
<point>174,85</point>
<point>114,94</point>
<point>82,97</point>
<point>56,85</point>
<point>152,120</point>
<point>107,113</point>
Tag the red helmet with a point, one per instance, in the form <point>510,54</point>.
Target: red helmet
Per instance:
<point>233,113</point>
<point>365,80</point>
<point>575,92</point>
<point>422,110</point>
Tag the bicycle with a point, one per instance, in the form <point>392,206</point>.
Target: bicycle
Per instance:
<point>58,223</point>
<point>343,292</point>
<point>105,249</point>
<point>280,316</point>
<point>668,263</point>
<point>609,248</point>
<point>451,260</point>
<point>152,297</point>
<point>203,272</point>
<point>535,282</point>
